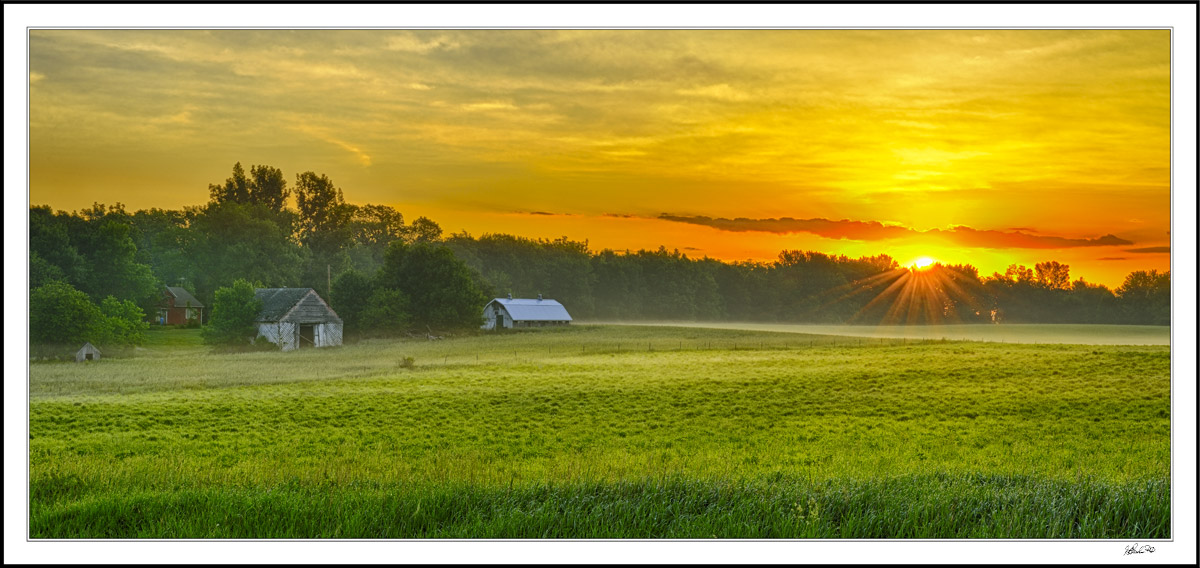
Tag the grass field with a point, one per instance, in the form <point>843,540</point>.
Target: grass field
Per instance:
<point>606,432</point>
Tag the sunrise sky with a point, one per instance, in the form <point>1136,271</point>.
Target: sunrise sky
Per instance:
<point>987,147</point>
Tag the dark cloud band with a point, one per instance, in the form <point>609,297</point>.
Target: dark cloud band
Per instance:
<point>874,230</point>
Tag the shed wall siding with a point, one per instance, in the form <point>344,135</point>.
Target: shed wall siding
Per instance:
<point>492,313</point>
<point>327,334</point>
<point>287,334</point>
<point>284,334</point>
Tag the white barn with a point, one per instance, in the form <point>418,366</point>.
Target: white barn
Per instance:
<point>297,318</point>
<point>520,312</point>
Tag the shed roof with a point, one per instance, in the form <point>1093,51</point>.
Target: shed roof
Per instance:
<point>522,309</point>
<point>183,298</point>
<point>278,304</point>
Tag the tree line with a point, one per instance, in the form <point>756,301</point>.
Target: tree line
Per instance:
<point>389,276</point>
<point>802,287</point>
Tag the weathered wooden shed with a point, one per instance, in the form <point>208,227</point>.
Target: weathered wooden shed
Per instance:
<point>297,318</point>
<point>522,312</point>
<point>87,353</point>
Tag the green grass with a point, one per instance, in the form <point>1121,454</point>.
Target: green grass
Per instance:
<point>597,432</point>
<point>172,338</point>
<point>929,506</point>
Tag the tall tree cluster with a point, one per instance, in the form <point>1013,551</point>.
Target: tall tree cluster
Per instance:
<point>87,280</point>
<point>421,285</point>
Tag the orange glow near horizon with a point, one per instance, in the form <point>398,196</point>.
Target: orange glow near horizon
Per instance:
<point>922,263</point>
<point>980,147</point>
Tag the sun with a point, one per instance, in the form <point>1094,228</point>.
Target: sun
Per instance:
<point>922,262</point>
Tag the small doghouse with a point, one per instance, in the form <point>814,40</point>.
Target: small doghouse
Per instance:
<point>87,353</point>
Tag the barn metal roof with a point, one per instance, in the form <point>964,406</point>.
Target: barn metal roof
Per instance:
<point>522,309</point>
<point>183,298</point>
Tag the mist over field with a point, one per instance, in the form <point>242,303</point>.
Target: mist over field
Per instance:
<point>1071,334</point>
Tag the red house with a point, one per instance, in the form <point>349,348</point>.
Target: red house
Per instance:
<point>178,306</point>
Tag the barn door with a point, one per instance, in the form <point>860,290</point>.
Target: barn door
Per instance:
<point>306,336</point>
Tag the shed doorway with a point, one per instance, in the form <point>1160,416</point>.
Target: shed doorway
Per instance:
<point>306,337</point>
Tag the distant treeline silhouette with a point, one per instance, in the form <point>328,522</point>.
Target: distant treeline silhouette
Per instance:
<point>801,286</point>
<point>248,231</point>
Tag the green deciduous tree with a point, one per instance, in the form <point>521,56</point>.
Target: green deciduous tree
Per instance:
<point>113,267</point>
<point>424,230</point>
<point>558,268</point>
<point>234,312</point>
<point>95,251</point>
<point>373,228</point>
<point>440,288</point>
<point>123,322</point>
<point>268,188</point>
<point>324,220</point>
<point>42,272</point>
<point>60,314</point>
<point>350,297</point>
<point>50,242</point>
<point>1091,303</point>
<point>386,311</point>
<point>265,186</point>
<point>1145,297</point>
<point>236,188</point>
<point>231,241</point>
<point>167,241</point>
<point>323,227</point>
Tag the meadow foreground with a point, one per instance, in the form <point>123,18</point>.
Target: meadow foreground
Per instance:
<point>606,432</point>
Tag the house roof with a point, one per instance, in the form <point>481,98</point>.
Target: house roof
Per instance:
<point>183,298</point>
<point>278,304</point>
<point>522,309</point>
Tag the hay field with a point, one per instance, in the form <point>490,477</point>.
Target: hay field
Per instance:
<point>606,432</point>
